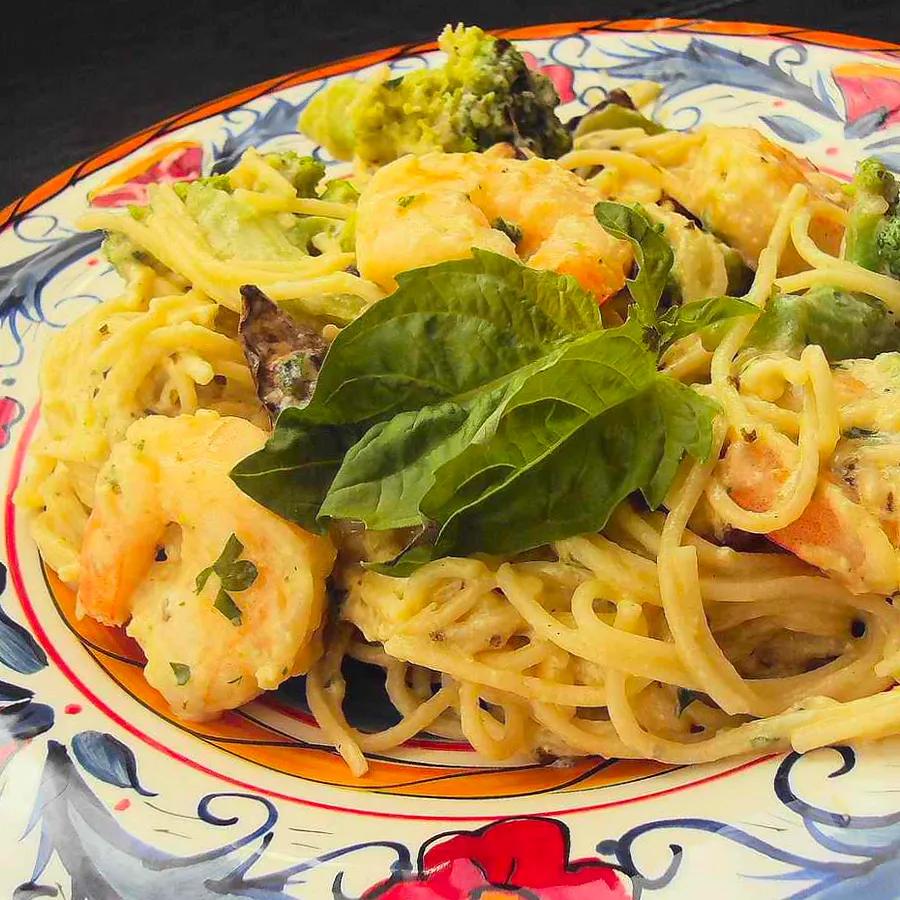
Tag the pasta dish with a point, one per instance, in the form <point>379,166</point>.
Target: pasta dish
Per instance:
<point>583,435</point>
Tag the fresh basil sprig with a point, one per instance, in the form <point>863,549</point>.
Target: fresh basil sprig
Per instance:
<point>235,575</point>
<point>652,253</point>
<point>655,258</point>
<point>483,402</point>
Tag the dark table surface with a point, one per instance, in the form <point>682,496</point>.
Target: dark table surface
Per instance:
<point>82,74</point>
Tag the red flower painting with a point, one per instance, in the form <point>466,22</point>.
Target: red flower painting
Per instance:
<point>870,89</point>
<point>527,859</point>
<point>172,162</point>
<point>10,413</point>
<point>563,77</point>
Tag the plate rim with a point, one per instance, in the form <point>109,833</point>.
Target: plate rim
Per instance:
<point>26,203</point>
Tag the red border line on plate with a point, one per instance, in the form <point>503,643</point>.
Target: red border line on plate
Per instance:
<point>58,183</point>
<point>15,571</point>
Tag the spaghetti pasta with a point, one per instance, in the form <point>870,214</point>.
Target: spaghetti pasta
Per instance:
<point>652,638</point>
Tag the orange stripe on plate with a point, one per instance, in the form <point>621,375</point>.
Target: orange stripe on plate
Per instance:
<point>646,24</point>
<point>537,32</point>
<point>117,151</point>
<point>744,29</point>
<point>843,41</point>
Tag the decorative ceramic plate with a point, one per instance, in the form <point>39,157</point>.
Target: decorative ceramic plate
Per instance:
<point>103,795</point>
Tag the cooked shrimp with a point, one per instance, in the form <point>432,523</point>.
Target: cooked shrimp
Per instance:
<point>851,526</point>
<point>736,181</point>
<point>421,210</point>
<point>836,532</point>
<point>165,509</point>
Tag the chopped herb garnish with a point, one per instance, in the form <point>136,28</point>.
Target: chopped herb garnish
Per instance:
<point>855,434</point>
<point>182,673</point>
<point>406,200</point>
<point>510,229</point>
<point>234,574</point>
<point>686,697</point>
<point>225,605</point>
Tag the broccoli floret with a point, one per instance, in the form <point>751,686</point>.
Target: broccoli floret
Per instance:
<point>219,182</point>
<point>873,232</point>
<point>888,243</point>
<point>303,172</point>
<point>484,94</point>
<point>340,191</point>
<point>124,255</point>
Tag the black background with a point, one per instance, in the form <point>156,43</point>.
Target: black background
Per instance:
<point>77,76</point>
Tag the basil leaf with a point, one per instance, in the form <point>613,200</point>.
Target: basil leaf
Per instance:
<point>652,254</point>
<point>182,673</point>
<point>447,329</point>
<point>687,420</point>
<point>483,402</point>
<point>844,325</point>
<point>386,474</point>
<point>291,474</point>
<point>680,321</point>
<point>226,605</point>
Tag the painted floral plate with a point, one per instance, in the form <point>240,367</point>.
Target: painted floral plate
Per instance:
<point>103,795</point>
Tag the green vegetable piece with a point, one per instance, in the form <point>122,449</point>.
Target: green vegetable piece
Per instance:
<point>447,329</point>
<point>226,605</point>
<point>686,697</point>
<point>329,117</point>
<point>303,172</point>
<point>652,253</point>
<point>844,325</point>
<point>481,393</point>
<point>873,230</point>
<point>182,673</point>
<point>510,229</point>
<point>216,182</point>
<point>291,474</point>
<point>484,94</point>
<point>234,574</point>
<point>340,190</point>
<point>235,230</point>
<point>406,200</point>
<point>613,116</point>
<point>680,321</point>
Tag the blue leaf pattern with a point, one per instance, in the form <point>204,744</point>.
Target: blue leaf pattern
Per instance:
<point>108,759</point>
<point>702,63</point>
<point>73,821</point>
<point>280,118</point>
<point>22,282</point>
<point>18,649</point>
<point>791,129</point>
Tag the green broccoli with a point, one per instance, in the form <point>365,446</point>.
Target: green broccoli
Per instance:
<point>873,233</point>
<point>303,172</point>
<point>340,191</point>
<point>843,324</point>
<point>219,182</point>
<point>484,94</point>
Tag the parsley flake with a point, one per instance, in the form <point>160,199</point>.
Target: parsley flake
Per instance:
<point>182,673</point>
<point>234,574</point>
